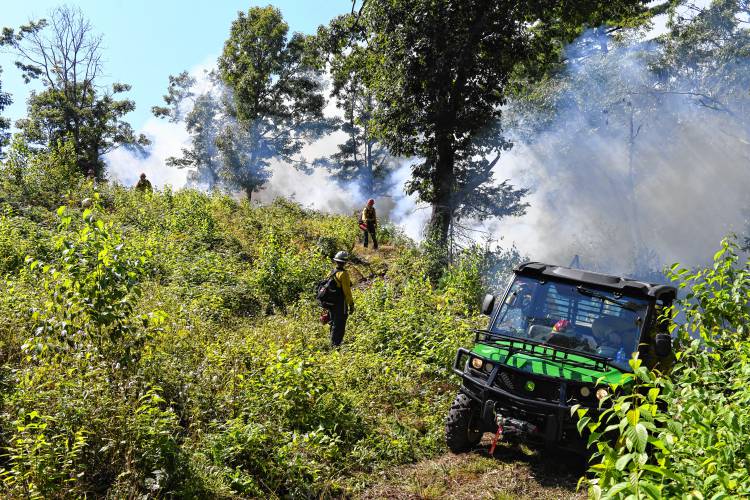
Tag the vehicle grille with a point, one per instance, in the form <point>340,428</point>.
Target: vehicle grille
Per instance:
<point>515,384</point>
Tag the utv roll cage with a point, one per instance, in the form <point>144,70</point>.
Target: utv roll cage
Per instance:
<point>616,284</point>
<point>498,394</point>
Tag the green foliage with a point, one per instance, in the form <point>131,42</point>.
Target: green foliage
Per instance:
<point>438,87</point>
<point>65,54</point>
<point>5,101</point>
<point>361,157</point>
<point>684,435</point>
<point>45,178</point>
<point>265,102</point>
<point>93,286</point>
<point>281,276</point>
<point>167,344</point>
<point>43,461</point>
<point>19,237</point>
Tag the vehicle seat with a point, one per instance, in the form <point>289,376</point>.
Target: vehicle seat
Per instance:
<point>539,332</point>
<point>603,326</point>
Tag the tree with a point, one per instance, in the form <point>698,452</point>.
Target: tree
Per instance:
<point>263,104</point>
<point>707,53</point>
<point>361,158</point>
<point>65,55</point>
<point>204,124</point>
<point>440,70</point>
<point>5,101</point>
<point>276,97</point>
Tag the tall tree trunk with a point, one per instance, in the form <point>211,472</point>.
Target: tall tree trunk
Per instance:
<point>442,202</point>
<point>369,170</point>
<point>249,194</point>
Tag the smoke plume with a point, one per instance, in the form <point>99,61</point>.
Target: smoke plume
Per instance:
<point>631,172</point>
<point>627,170</point>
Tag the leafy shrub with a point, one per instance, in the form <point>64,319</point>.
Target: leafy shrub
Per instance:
<point>685,435</point>
<point>43,461</point>
<point>462,282</point>
<point>45,178</point>
<point>391,234</point>
<point>280,274</point>
<point>167,344</point>
<point>93,287</point>
<point>19,237</point>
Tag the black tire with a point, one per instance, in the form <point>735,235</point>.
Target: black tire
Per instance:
<point>463,427</point>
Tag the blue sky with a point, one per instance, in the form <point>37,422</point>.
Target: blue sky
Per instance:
<point>146,41</point>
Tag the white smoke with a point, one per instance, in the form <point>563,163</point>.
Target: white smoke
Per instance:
<point>167,139</point>
<point>313,188</point>
<point>690,172</point>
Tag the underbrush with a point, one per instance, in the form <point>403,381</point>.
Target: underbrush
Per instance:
<point>167,344</point>
<point>685,434</point>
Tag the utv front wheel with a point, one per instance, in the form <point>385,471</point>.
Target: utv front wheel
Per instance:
<point>463,426</point>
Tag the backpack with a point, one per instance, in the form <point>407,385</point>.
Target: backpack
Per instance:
<point>327,291</point>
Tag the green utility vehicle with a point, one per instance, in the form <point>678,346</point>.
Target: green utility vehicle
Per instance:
<point>559,337</point>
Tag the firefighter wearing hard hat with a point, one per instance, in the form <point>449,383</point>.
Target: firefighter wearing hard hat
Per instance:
<point>370,223</point>
<point>144,184</point>
<point>343,304</point>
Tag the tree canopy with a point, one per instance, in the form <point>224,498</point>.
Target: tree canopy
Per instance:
<point>266,102</point>
<point>440,72</point>
<point>5,101</point>
<point>362,158</point>
<point>65,54</point>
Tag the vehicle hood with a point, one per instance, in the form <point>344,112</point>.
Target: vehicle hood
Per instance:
<point>559,368</point>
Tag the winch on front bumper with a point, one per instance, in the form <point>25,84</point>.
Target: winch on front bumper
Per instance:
<point>534,407</point>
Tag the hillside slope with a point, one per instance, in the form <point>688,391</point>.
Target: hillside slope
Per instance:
<point>512,472</point>
<point>169,344</point>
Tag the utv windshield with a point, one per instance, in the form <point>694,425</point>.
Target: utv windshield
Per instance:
<point>576,317</point>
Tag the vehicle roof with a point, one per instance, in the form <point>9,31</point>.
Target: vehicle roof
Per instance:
<point>625,286</point>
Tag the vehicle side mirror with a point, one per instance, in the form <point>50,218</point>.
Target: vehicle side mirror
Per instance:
<point>488,304</point>
<point>663,344</point>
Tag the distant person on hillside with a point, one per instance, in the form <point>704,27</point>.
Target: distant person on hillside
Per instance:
<point>342,303</point>
<point>370,220</point>
<point>144,184</point>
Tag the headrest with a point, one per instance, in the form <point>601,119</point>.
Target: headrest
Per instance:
<point>607,324</point>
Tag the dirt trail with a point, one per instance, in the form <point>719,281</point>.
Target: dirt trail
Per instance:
<point>513,472</point>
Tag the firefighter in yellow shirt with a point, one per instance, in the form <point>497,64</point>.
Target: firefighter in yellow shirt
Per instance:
<point>369,218</point>
<point>343,306</point>
<point>144,185</point>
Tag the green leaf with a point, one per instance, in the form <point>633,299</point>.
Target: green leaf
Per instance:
<point>653,393</point>
<point>617,488</point>
<point>650,488</point>
<point>622,462</point>
<point>641,436</point>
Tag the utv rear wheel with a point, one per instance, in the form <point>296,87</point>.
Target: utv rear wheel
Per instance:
<point>463,426</point>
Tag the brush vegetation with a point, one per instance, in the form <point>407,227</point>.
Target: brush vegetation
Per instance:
<point>168,343</point>
<point>685,435</point>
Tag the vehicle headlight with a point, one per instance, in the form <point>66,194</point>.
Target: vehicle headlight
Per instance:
<point>601,393</point>
<point>477,363</point>
<point>488,367</point>
<point>585,391</point>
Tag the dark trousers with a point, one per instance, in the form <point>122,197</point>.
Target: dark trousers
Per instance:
<point>338,324</point>
<point>371,231</point>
